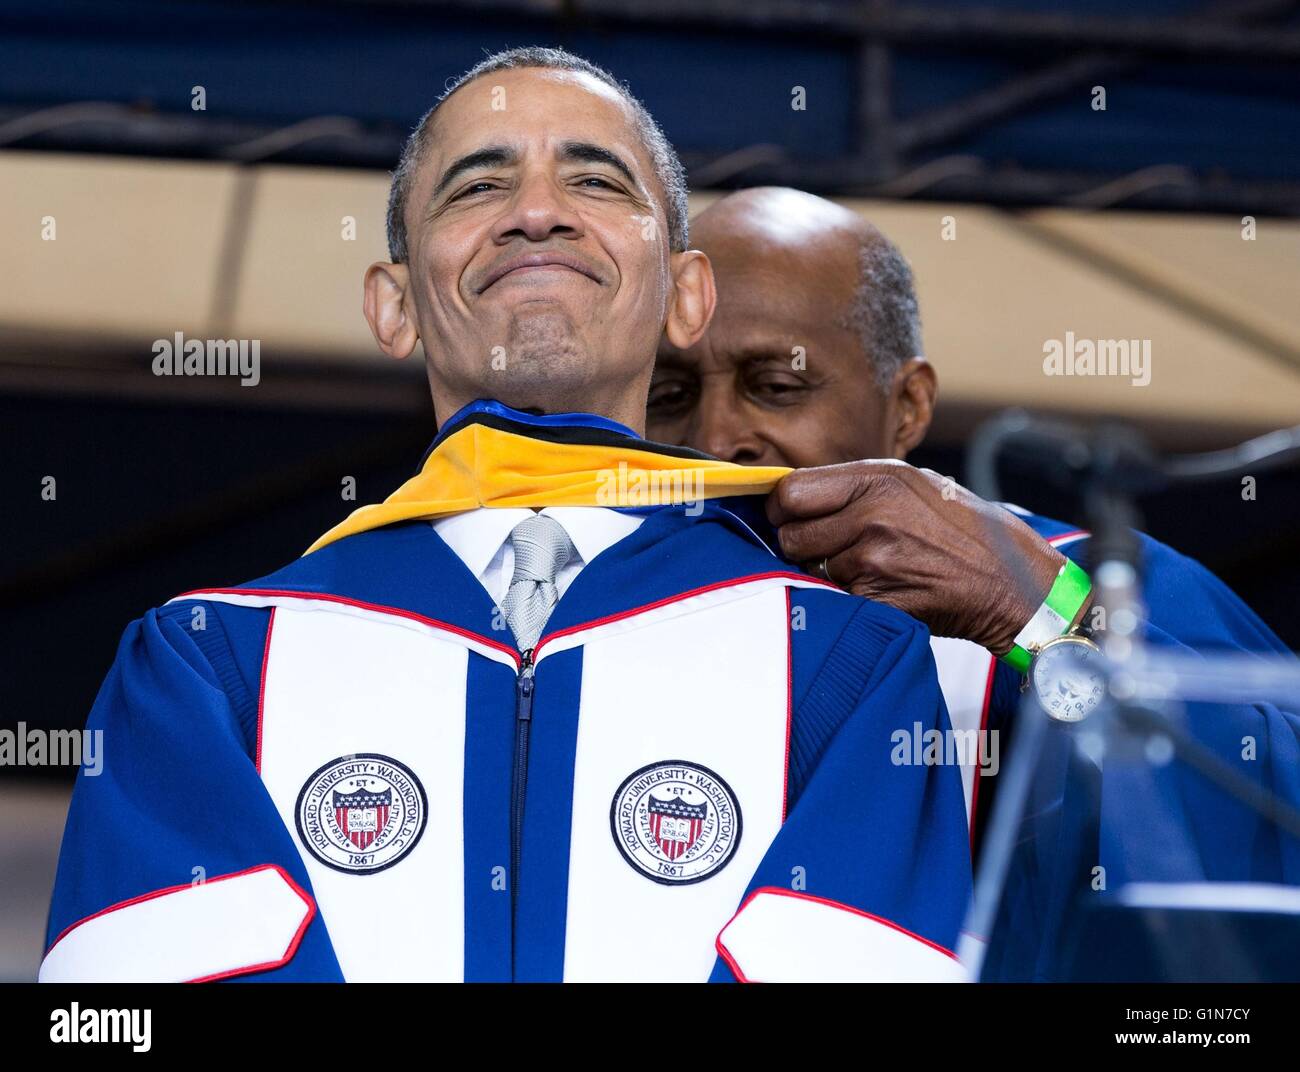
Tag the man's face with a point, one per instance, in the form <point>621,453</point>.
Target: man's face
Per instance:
<point>740,393</point>
<point>538,263</point>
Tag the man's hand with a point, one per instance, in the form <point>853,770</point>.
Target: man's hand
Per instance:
<point>919,542</point>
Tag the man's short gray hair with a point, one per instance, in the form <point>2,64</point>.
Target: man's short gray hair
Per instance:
<point>668,168</point>
<point>885,313</point>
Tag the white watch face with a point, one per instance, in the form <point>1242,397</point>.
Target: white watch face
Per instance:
<point>1068,678</point>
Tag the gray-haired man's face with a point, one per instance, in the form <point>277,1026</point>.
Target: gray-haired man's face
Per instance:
<point>779,378</point>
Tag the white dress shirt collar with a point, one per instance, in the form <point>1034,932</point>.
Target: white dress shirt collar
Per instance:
<point>481,539</point>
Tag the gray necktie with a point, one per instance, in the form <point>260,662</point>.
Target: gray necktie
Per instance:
<point>541,547</point>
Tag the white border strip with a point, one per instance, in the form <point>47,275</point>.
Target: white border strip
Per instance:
<point>232,925</point>
<point>780,936</point>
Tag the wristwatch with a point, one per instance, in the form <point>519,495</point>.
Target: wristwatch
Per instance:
<point>1067,677</point>
<point>1058,657</point>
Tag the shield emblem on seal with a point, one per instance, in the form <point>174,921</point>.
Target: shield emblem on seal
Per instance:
<point>362,815</point>
<point>675,824</point>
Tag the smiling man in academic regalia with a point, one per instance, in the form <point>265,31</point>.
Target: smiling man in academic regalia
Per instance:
<point>504,725</point>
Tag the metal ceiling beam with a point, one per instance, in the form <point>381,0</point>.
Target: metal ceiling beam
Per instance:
<point>958,178</point>
<point>881,164</point>
<point>1193,36</point>
<point>101,126</point>
<point>980,109</point>
<point>969,178</point>
<point>1189,36</point>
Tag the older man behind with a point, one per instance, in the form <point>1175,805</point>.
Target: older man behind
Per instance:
<point>812,359</point>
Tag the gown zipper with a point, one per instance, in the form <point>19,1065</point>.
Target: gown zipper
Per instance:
<point>524,685</point>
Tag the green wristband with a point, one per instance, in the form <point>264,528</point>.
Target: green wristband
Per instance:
<point>1054,618</point>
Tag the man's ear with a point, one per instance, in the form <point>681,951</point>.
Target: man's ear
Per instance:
<point>911,404</point>
<point>385,306</point>
<point>694,296</point>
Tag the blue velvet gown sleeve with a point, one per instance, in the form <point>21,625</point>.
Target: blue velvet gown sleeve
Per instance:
<point>178,797</point>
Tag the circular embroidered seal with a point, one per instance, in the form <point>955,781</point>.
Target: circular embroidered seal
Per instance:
<point>675,822</point>
<point>362,813</point>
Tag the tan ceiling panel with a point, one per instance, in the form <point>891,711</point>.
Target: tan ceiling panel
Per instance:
<point>136,243</point>
<point>995,295</point>
<point>300,284</point>
<point>147,248</point>
<point>1252,282</point>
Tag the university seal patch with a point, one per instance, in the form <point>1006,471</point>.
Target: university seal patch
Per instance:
<point>675,822</point>
<point>362,813</point>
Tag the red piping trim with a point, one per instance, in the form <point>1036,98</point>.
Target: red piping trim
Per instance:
<point>1066,536</point>
<point>583,626</point>
<point>984,721</point>
<point>730,961</point>
<point>261,691</point>
<point>496,644</point>
<point>378,608</point>
<point>778,891</point>
<point>288,953</point>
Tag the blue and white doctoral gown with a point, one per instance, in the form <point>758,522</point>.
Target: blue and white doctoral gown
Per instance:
<point>341,771</point>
